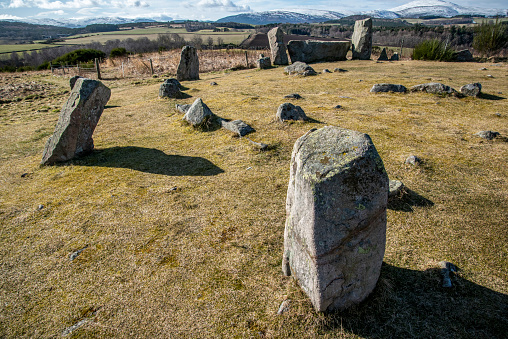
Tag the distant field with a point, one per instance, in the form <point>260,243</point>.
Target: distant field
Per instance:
<point>477,20</point>
<point>152,33</point>
<point>23,47</point>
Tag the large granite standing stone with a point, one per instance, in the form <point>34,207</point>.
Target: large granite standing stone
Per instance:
<point>77,121</point>
<point>317,51</point>
<point>334,239</point>
<point>188,68</point>
<point>277,47</point>
<point>362,39</point>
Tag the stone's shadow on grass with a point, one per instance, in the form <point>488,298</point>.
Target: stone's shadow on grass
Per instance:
<point>149,160</point>
<point>407,199</point>
<point>490,97</point>
<point>112,106</point>
<point>413,304</point>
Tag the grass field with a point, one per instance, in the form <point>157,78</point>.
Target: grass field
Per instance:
<point>180,231</point>
<point>4,49</point>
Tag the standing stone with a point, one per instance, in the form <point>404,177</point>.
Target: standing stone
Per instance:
<point>394,57</point>
<point>72,81</point>
<point>264,63</point>
<point>335,234</point>
<point>188,68</point>
<point>362,39</point>
<point>463,56</point>
<point>383,56</point>
<point>277,47</point>
<point>77,121</point>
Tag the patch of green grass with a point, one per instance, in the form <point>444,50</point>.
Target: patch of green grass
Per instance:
<point>183,228</point>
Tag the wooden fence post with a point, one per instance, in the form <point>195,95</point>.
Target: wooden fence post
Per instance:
<point>97,67</point>
<point>246,60</point>
<point>401,44</point>
<point>123,72</point>
<point>51,66</point>
<point>151,67</point>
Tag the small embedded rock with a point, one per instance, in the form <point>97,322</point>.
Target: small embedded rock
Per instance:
<point>284,306</point>
<point>395,189</point>
<point>413,160</point>
<point>293,96</point>
<point>213,83</point>
<point>471,90</point>
<point>377,88</point>
<point>40,207</point>
<point>340,70</point>
<point>326,70</point>
<point>489,135</point>
<point>183,108</point>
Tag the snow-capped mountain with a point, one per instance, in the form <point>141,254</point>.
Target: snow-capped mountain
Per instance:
<point>76,23</point>
<point>283,16</point>
<point>420,8</point>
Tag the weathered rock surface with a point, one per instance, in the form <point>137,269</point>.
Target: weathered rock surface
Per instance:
<point>300,68</point>
<point>383,56</point>
<point>362,39</point>
<point>188,68</point>
<point>183,108</point>
<point>264,63</point>
<point>489,135</point>
<point>335,233</point>
<point>277,46</point>
<point>237,126</point>
<point>471,90</point>
<point>435,88</point>
<point>293,96</point>
<point>388,88</point>
<point>198,113</point>
<point>413,160</point>
<point>463,56</point>
<point>288,111</point>
<point>72,81</point>
<point>77,121</point>
<point>316,51</point>
<point>395,189</point>
<point>170,88</point>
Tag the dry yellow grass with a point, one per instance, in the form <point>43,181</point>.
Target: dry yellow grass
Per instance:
<point>182,230</point>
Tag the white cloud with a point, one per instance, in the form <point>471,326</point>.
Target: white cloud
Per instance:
<point>9,17</point>
<point>226,5</point>
<point>129,3</point>
<point>51,13</point>
<point>45,4</point>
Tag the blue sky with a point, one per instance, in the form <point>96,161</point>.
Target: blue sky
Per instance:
<point>190,9</point>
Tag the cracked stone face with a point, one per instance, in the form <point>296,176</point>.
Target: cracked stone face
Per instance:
<point>334,238</point>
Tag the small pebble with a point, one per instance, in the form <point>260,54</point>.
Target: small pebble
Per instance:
<point>284,306</point>
<point>489,135</point>
<point>24,175</point>
<point>490,76</point>
<point>413,160</point>
<point>293,96</point>
<point>213,83</point>
<point>326,70</point>
<point>40,207</point>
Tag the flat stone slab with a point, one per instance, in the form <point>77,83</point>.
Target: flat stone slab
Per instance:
<point>237,126</point>
<point>434,88</point>
<point>317,51</point>
<point>388,88</point>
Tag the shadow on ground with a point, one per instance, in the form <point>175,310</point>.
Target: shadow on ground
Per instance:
<point>490,96</point>
<point>412,304</point>
<point>407,200</point>
<point>149,160</point>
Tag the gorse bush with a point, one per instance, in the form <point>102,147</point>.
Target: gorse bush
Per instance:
<point>79,55</point>
<point>490,38</point>
<point>118,52</point>
<point>433,50</point>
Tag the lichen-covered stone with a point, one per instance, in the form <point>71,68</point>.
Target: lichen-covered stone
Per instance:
<point>188,67</point>
<point>471,90</point>
<point>317,51</point>
<point>237,126</point>
<point>362,39</point>
<point>264,63</point>
<point>170,88</point>
<point>77,122</point>
<point>198,113</point>
<point>288,111</point>
<point>300,68</point>
<point>434,88</point>
<point>388,88</point>
<point>277,46</point>
<point>335,233</point>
